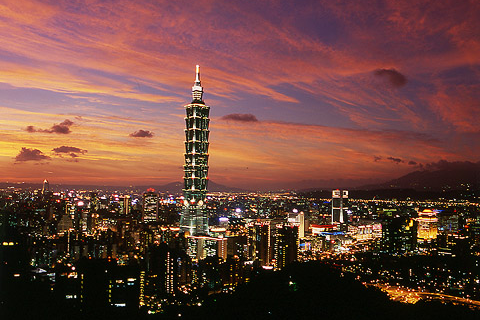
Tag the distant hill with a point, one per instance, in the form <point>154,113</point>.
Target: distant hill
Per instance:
<point>441,176</point>
<point>449,180</point>
<point>325,184</point>
<point>173,187</point>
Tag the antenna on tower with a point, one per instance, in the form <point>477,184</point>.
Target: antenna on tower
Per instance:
<point>197,71</point>
<point>197,90</point>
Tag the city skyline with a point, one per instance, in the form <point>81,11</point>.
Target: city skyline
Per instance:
<point>301,91</point>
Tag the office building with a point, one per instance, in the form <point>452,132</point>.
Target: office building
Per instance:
<point>339,206</point>
<point>125,205</point>
<point>285,245</point>
<point>298,219</point>
<point>200,247</point>
<point>150,206</point>
<point>260,244</point>
<point>399,235</point>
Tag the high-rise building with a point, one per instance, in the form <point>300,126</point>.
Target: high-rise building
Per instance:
<point>298,219</point>
<point>194,219</point>
<point>448,222</point>
<point>301,226</point>
<point>163,269</point>
<point>261,248</point>
<point>125,205</point>
<point>399,235</point>
<point>285,245</point>
<point>150,206</point>
<point>339,203</point>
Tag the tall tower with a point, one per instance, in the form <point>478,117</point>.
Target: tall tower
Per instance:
<point>46,187</point>
<point>194,218</point>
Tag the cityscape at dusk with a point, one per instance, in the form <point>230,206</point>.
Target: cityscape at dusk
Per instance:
<point>243,160</point>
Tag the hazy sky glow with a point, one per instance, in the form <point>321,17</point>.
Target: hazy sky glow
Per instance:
<point>93,91</point>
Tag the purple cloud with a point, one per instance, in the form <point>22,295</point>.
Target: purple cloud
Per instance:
<point>27,154</point>
<point>396,160</point>
<point>30,129</point>
<point>395,78</point>
<point>142,134</point>
<point>240,117</point>
<point>65,149</point>
<point>71,151</point>
<point>452,165</point>
<point>61,128</point>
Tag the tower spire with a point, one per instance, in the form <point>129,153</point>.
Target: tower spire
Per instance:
<point>197,89</point>
<point>197,73</point>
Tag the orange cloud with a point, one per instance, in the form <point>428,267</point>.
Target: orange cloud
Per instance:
<point>458,106</point>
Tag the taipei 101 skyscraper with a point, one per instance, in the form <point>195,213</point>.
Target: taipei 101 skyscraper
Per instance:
<point>194,219</point>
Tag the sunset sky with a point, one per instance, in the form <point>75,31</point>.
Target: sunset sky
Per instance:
<point>92,91</point>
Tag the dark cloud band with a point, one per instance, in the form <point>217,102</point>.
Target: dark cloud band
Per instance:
<point>61,128</point>
<point>240,117</point>
<point>142,134</point>
<point>27,154</point>
<point>395,78</point>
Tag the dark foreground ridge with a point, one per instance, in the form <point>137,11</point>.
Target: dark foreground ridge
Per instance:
<point>300,291</point>
<point>315,291</point>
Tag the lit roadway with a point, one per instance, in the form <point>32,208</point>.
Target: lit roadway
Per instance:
<point>407,295</point>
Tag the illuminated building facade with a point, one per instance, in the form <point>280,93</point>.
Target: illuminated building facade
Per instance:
<point>200,247</point>
<point>339,206</point>
<point>125,205</point>
<point>365,230</point>
<point>298,220</point>
<point>427,225</point>
<point>150,206</point>
<point>194,219</point>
